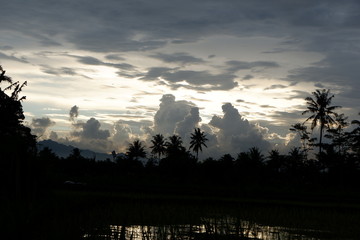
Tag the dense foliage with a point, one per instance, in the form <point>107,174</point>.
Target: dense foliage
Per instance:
<point>17,144</point>
<point>172,166</point>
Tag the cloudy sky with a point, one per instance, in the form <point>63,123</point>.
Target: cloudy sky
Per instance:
<point>103,73</point>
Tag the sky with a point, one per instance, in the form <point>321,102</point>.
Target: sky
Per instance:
<point>101,74</point>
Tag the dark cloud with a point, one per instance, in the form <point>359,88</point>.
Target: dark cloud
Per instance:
<point>96,62</point>
<point>141,26</point>
<point>155,72</point>
<point>13,58</point>
<point>267,106</point>
<point>74,113</point>
<point>115,56</point>
<point>319,85</point>
<point>246,102</point>
<point>298,94</point>
<point>197,80</point>
<point>85,41</point>
<point>248,77</point>
<point>331,14</point>
<point>61,71</point>
<point>325,26</point>
<point>287,118</point>
<point>6,47</point>
<point>340,71</point>
<point>181,58</point>
<point>329,29</point>
<point>91,130</point>
<point>40,125</point>
<point>234,66</point>
<point>275,86</point>
<point>280,50</point>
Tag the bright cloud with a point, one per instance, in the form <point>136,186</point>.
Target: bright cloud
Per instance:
<point>116,59</point>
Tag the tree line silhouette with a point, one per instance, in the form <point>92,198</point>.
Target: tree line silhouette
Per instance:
<point>26,171</point>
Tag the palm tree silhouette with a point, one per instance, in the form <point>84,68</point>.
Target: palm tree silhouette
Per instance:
<point>304,135</point>
<point>322,112</point>
<point>255,156</point>
<point>158,145</point>
<point>136,150</point>
<point>338,136</point>
<point>275,160</point>
<point>174,145</point>
<point>198,139</point>
<point>355,137</point>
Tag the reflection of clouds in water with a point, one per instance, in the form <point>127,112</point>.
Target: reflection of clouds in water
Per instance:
<point>226,227</point>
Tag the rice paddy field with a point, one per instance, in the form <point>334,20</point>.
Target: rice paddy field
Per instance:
<point>80,214</point>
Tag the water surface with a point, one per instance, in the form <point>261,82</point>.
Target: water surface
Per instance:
<point>225,227</point>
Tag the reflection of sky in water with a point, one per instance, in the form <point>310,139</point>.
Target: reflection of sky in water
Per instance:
<point>213,228</point>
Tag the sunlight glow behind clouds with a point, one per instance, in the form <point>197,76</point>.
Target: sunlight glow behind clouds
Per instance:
<point>116,63</point>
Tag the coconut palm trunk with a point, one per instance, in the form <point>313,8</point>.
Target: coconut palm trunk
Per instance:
<point>198,139</point>
<point>320,139</point>
<point>322,112</point>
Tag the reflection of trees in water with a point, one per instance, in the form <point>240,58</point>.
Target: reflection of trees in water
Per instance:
<point>224,228</point>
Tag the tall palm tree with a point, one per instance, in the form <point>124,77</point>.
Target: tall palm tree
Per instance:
<point>158,145</point>
<point>174,145</point>
<point>321,111</point>
<point>136,150</point>
<point>256,156</point>
<point>198,139</point>
<point>275,160</point>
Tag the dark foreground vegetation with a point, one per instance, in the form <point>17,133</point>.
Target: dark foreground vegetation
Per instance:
<point>41,192</point>
<point>75,214</point>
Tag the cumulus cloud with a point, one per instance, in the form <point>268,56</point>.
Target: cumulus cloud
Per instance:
<point>74,113</point>
<point>54,136</point>
<point>170,113</point>
<point>88,135</point>
<point>185,127</point>
<point>236,134</point>
<point>181,117</point>
<point>39,126</point>
<point>91,130</point>
<point>121,136</point>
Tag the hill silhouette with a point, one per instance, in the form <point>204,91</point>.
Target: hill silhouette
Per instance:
<point>63,151</point>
